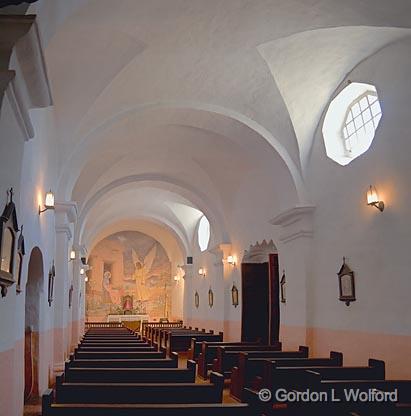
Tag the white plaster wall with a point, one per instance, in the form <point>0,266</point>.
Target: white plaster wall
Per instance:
<point>375,244</point>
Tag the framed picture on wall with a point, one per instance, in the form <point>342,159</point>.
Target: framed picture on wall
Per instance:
<point>52,275</point>
<point>234,296</point>
<point>196,299</point>
<point>346,283</point>
<point>210,298</point>
<point>8,231</point>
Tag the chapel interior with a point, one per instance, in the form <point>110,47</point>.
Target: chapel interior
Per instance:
<point>205,203</point>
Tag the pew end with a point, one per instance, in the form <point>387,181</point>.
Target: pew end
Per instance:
<point>46,401</point>
<point>378,364</point>
<point>304,350</point>
<point>338,357</point>
<point>218,380</point>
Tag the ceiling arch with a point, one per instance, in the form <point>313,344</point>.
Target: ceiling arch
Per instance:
<point>308,67</point>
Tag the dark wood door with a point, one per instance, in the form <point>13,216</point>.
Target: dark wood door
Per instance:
<point>260,301</point>
<point>255,301</point>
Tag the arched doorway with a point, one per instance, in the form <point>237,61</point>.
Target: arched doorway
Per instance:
<point>34,287</point>
<point>260,294</point>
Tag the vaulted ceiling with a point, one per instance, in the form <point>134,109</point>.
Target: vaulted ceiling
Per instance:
<point>204,91</point>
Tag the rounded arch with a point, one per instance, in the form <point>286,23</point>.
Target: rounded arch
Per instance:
<point>187,113</point>
<point>34,289</point>
<point>195,196</point>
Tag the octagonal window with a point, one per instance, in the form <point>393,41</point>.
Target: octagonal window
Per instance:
<point>351,122</point>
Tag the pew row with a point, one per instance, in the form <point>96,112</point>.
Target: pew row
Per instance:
<point>139,393</point>
<point>130,375</point>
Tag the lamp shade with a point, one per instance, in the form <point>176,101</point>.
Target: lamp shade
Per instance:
<point>372,196</point>
<point>72,254</point>
<point>49,202</point>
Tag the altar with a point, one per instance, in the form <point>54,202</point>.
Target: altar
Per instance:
<point>127,318</point>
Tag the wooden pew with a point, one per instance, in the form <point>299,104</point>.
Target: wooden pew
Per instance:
<point>250,366</point>
<point>163,334</point>
<point>126,348</point>
<point>140,393</point>
<point>197,346</point>
<point>171,362</point>
<point>147,327</point>
<point>276,374</point>
<point>50,408</point>
<point>181,342</point>
<point>209,353</point>
<point>227,357</point>
<point>96,355</point>
<point>367,408</point>
<point>130,375</point>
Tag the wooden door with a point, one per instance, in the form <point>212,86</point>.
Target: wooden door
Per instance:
<point>260,301</point>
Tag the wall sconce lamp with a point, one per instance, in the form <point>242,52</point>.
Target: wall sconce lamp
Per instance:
<point>231,260</point>
<point>82,271</point>
<point>73,254</point>
<point>177,278</point>
<point>202,272</point>
<point>86,279</point>
<point>49,202</point>
<point>373,199</point>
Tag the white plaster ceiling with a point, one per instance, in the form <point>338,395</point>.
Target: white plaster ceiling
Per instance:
<point>308,66</point>
<point>197,95</point>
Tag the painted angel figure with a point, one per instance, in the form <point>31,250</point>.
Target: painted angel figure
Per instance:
<point>142,270</point>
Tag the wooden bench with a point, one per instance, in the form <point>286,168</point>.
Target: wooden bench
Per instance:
<point>197,346</point>
<point>102,348</point>
<point>250,366</point>
<point>374,408</point>
<point>171,362</point>
<point>140,393</point>
<point>181,342</point>
<point>227,357</point>
<point>110,355</point>
<point>276,374</point>
<point>130,375</point>
<point>209,353</point>
<point>164,334</point>
<point>78,409</point>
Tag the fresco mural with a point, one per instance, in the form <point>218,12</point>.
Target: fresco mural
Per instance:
<point>130,274</point>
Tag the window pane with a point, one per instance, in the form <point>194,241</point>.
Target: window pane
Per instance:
<point>7,251</point>
<point>356,110</point>
<point>372,99</point>
<point>375,108</point>
<point>350,117</point>
<point>366,115</point>
<point>358,122</point>
<point>364,103</point>
<point>369,128</point>
<point>350,128</point>
<point>203,233</point>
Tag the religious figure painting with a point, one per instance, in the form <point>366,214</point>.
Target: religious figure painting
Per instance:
<point>130,274</point>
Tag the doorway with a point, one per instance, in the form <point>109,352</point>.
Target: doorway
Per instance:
<point>260,294</point>
<point>32,318</point>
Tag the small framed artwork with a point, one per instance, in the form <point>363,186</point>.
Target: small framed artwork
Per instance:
<point>282,288</point>
<point>346,282</point>
<point>196,300</point>
<point>210,298</point>
<point>70,295</point>
<point>52,275</point>
<point>20,254</point>
<point>234,295</point>
<point>8,230</point>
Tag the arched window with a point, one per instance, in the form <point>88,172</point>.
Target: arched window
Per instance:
<point>203,233</point>
<point>351,122</point>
